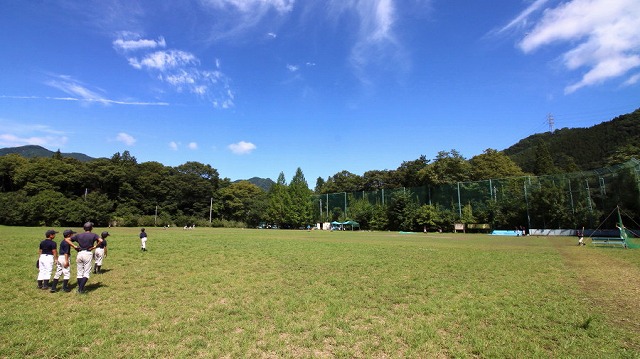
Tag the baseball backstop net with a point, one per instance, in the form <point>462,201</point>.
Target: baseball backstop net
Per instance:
<point>569,200</point>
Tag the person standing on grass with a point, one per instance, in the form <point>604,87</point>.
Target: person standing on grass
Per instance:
<point>100,253</point>
<point>46,253</point>
<point>581,237</point>
<point>86,244</point>
<point>143,240</point>
<point>63,267</point>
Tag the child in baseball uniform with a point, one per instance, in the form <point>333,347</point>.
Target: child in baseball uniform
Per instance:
<point>46,254</point>
<point>63,267</point>
<point>143,240</point>
<point>100,253</point>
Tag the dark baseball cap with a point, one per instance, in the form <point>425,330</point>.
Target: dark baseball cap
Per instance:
<point>68,232</point>
<point>50,232</point>
<point>104,234</point>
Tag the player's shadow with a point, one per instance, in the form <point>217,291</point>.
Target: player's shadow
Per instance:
<point>103,271</point>
<point>90,287</point>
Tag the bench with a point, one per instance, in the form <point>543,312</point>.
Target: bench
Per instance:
<point>608,241</point>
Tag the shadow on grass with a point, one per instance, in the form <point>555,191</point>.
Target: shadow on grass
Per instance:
<point>90,287</point>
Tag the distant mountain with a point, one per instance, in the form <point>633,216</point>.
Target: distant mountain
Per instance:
<point>32,151</point>
<point>264,183</point>
<point>586,148</point>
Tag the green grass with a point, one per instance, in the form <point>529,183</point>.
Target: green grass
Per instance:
<point>278,293</point>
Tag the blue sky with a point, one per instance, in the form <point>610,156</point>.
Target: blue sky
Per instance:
<point>259,87</point>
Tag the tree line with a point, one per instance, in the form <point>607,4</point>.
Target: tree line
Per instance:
<point>120,191</point>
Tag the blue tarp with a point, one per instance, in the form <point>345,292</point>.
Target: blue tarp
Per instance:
<point>499,232</point>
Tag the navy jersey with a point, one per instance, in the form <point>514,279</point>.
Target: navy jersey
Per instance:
<point>103,244</point>
<point>48,246</point>
<point>65,248</point>
<point>143,235</point>
<point>85,240</point>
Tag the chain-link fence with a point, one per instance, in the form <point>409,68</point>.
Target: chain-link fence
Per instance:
<point>569,200</point>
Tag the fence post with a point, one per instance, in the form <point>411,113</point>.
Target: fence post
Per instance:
<point>459,202</point>
<point>526,200</point>
<point>589,196</point>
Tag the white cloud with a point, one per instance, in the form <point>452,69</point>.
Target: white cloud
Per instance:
<point>293,68</point>
<point>604,36</point>
<point>242,148</point>
<point>192,146</point>
<point>129,41</point>
<point>163,60</point>
<point>126,139</point>
<point>272,35</point>
<point>180,78</point>
<point>182,71</point>
<point>173,145</point>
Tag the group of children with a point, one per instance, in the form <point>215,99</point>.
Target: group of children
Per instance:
<point>50,256</point>
<point>90,248</point>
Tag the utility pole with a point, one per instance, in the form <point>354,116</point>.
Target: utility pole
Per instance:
<point>551,122</point>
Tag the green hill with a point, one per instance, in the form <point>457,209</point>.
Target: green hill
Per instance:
<point>264,183</point>
<point>31,151</point>
<point>583,148</point>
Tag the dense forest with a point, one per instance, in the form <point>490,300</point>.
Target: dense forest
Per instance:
<point>64,190</point>
<point>582,149</point>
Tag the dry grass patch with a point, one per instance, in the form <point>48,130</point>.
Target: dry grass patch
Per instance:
<point>610,283</point>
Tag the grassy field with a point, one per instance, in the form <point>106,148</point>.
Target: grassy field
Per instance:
<point>299,294</point>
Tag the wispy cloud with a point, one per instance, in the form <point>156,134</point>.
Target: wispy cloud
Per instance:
<point>173,145</point>
<point>632,80</point>
<point>81,92</point>
<point>192,146</point>
<point>126,139</point>
<point>103,101</point>
<point>377,44</point>
<point>21,134</point>
<point>242,148</point>
<point>74,88</point>
<point>11,140</point>
<point>603,36</point>
<point>244,15</point>
<point>293,68</point>
<point>522,20</point>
